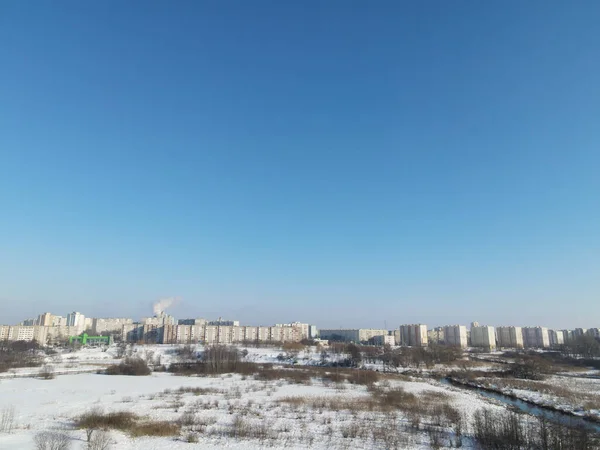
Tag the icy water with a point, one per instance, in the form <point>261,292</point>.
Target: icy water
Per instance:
<point>529,408</point>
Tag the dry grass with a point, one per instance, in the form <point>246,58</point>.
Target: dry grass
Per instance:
<point>127,422</point>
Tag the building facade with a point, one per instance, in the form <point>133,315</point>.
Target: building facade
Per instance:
<point>483,337</point>
<point>356,335</point>
<point>109,325</point>
<point>455,336</point>
<point>509,337</point>
<point>536,337</point>
<point>413,335</point>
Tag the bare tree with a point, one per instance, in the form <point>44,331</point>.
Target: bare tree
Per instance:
<point>52,440</point>
<point>98,440</point>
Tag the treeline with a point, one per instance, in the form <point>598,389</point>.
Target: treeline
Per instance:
<point>15,354</point>
<point>509,430</point>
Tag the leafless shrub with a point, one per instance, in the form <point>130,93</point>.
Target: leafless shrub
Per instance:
<point>195,390</point>
<point>99,440</point>
<point>129,366</point>
<point>365,377</point>
<point>7,419</point>
<point>187,419</point>
<point>353,430</point>
<point>96,419</point>
<point>191,438</point>
<point>47,373</point>
<point>127,422</point>
<point>435,437</point>
<point>239,428</point>
<point>52,440</point>
<point>155,428</point>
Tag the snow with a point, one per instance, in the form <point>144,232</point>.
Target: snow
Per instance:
<point>54,404</point>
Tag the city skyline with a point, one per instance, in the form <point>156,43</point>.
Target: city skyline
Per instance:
<point>169,303</point>
<point>410,162</point>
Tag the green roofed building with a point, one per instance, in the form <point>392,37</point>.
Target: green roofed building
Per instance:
<point>85,339</point>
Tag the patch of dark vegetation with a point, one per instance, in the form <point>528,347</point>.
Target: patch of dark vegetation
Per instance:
<point>126,422</point>
<point>508,430</point>
<point>18,354</point>
<point>129,366</point>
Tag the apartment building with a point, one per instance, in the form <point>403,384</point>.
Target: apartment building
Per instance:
<point>23,333</point>
<point>434,336</point>
<point>62,333</point>
<point>456,336</point>
<point>191,322</point>
<point>45,320</point>
<point>536,337</point>
<point>594,332</point>
<point>306,329</point>
<point>413,335</point>
<point>483,337</point>
<point>224,323</point>
<point>555,338</point>
<point>356,335</point>
<point>509,337</point>
<point>210,334</point>
<point>109,325</point>
<point>161,319</point>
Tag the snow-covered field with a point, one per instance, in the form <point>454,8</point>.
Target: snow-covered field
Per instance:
<point>282,415</point>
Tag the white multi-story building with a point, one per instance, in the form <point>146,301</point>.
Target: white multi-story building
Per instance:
<point>456,336</point>
<point>159,320</point>
<point>59,321</point>
<point>224,323</point>
<point>109,325</point>
<point>352,334</point>
<point>23,333</point>
<point>76,320</point>
<point>483,337</point>
<point>304,327</point>
<point>62,333</point>
<point>556,338</point>
<point>198,321</point>
<point>45,320</point>
<point>594,332</point>
<point>509,337</point>
<point>536,337</point>
<point>413,335</point>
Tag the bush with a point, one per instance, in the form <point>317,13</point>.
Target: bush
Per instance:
<point>98,440</point>
<point>365,377</point>
<point>47,373</point>
<point>51,440</point>
<point>129,366</point>
<point>127,422</point>
<point>19,354</point>
<point>96,419</point>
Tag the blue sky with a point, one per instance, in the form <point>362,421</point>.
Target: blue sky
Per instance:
<point>344,163</point>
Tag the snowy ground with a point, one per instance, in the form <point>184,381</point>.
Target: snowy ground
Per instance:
<point>55,404</point>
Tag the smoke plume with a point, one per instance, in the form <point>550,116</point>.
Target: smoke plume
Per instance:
<point>160,306</point>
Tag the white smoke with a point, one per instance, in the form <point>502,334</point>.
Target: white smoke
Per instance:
<point>160,306</point>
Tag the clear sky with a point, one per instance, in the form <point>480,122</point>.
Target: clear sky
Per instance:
<point>345,163</point>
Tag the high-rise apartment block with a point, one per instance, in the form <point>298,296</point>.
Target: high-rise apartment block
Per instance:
<point>509,337</point>
<point>455,336</point>
<point>352,334</point>
<point>536,337</point>
<point>483,337</point>
<point>109,325</point>
<point>413,335</point>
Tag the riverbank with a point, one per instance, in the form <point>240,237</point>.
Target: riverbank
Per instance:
<point>525,404</point>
